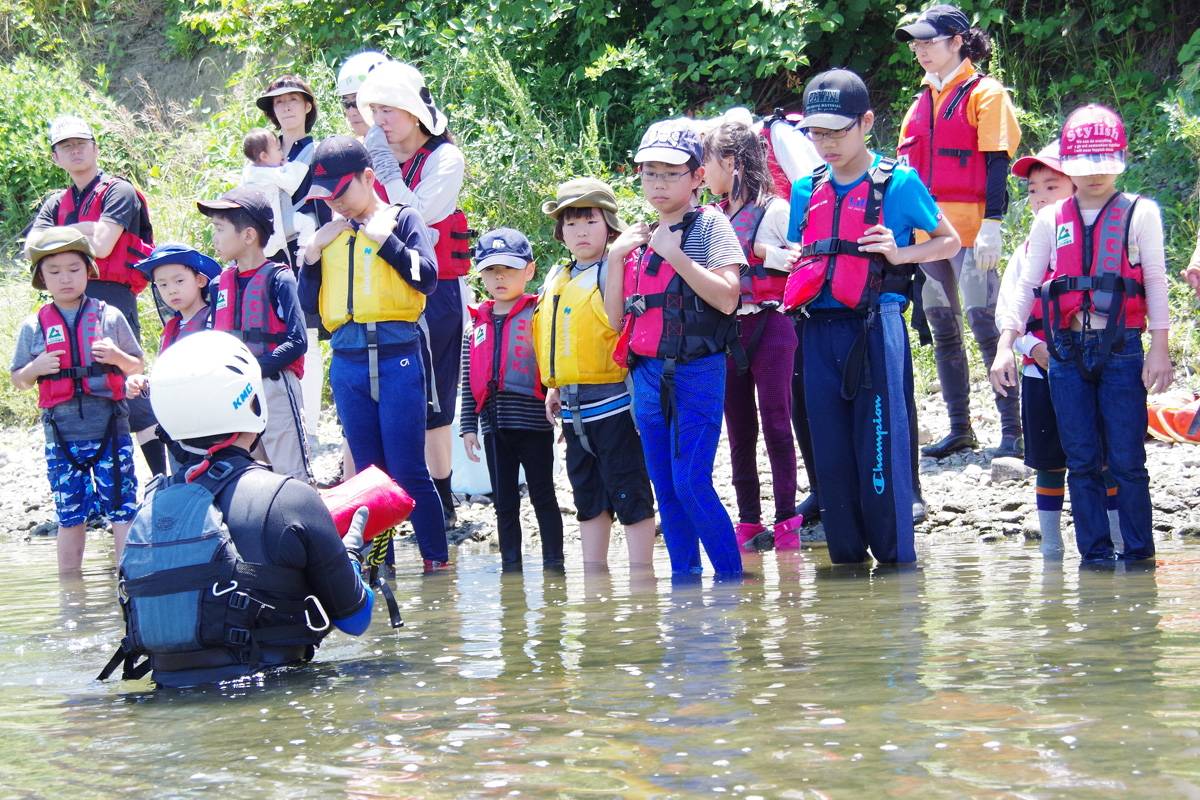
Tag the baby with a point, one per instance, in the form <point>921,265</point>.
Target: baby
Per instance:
<point>277,178</point>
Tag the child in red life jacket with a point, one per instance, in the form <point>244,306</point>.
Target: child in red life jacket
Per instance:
<point>503,398</point>
<point>256,301</point>
<point>735,167</point>
<point>587,388</point>
<point>673,291</point>
<point>1043,450</point>
<point>1104,249</point>
<point>77,350</point>
<point>855,220</point>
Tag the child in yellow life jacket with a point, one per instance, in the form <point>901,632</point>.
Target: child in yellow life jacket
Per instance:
<point>77,351</point>
<point>1105,251</point>
<point>586,387</point>
<point>503,398</point>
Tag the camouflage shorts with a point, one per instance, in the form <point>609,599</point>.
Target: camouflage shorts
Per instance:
<point>78,496</point>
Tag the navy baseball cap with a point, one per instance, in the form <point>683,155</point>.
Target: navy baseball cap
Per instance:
<point>179,254</point>
<point>941,20</point>
<point>671,141</point>
<point>335,163</point>
<point>252,201</point>
<point>834,99</point>
<point>507,246</point>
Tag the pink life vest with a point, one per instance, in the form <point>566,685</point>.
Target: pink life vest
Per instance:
<point>452,249</point>
<point>511,368</point>
<point>944,147</point>
<point>77,372</point>
<point>129,249</point>
<point>1035,324</point>
<point>251,317</point>
<point>1092,270</point>
<point>665,317</point>
<point>174,330</point>
<point>829,251</point>
<point>757,285</point>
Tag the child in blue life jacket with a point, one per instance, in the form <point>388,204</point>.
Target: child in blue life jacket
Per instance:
<point>1043,451</point>
<point>587,389</point>
<point>1108,282</point>
<point>673,289</point>
<point>368,272</point>
<point>854,220</point>
<point>77,352</point>
<point>503,397</point>
<point>257,302</point>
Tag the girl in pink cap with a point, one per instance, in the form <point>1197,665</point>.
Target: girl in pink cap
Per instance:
<point>1104,250</point>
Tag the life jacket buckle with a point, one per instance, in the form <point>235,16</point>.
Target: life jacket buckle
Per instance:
<point>238,636</point>
<point>239,601</point>
<point>636,305</point>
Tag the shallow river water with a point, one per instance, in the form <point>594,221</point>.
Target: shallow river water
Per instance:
<point>982,674</point>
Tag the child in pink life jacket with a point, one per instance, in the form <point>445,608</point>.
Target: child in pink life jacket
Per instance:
<point>673,290</point>
<point>77,351</point>
<point>1043,451</point>
<point>503,398</point>
<point>735,168</point>
<point>1104,250</point>
<point>257,302</point>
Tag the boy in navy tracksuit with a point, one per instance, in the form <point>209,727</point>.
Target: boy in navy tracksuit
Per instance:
<point>854,220</point>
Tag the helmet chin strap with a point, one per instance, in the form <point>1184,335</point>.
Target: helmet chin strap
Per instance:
<point>208,454</point>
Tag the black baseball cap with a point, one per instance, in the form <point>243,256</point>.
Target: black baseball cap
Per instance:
<point>942,20</point>
<point>335,162</point>
<point>834,99</point>
<point>252,201</point>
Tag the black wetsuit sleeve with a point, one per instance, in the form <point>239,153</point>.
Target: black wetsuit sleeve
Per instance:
<point>996,193</point>
<point>300,533</point>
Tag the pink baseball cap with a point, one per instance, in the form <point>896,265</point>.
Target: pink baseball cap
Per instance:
<point>1047,157</point>
<point>1093,142</point>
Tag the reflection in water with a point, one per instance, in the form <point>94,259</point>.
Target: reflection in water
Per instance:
<point>983,673</point>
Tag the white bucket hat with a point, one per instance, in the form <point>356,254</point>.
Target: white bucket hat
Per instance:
<point>400,86</point>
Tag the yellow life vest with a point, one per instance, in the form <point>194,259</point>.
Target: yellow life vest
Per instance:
<point>380,294</point>
<point>574,341</point>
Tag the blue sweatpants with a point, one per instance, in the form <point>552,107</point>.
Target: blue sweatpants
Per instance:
<point>688,506</point>
<point>391,434</point>
<point>862,445</point>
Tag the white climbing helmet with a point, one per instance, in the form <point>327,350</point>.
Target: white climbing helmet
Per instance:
<point>208,384</point>
<point>354,72</point>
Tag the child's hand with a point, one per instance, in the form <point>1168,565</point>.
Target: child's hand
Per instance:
<point>136,385</point>
<point>1004,371</point>
<point>630,239</point>
<point>325,236</point>
<point>1041,355</point>
<point>1157,371</point>
<point>471,443</point>
<point>1192,276</point>
<point>45,364</point>
<point>105,351</point>
<point>793,254</point>
<point>881,240</point>
<point>553,406</point>
<point>666,243</point>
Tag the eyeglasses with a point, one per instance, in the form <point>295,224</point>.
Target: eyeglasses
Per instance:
<point>922,44</point>
<point>820,136</point>
<point>666,177</point>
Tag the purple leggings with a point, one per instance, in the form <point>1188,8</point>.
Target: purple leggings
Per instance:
<point>771,374</point>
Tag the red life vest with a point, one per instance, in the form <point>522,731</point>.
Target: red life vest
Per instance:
<point>129,249</point>
<point>77,372</point>
<point>251,317</point>
<point>829,252</point>
<point>1092,272</point>
<point>513,366</point>
<point>666,318</point>
<point>173,330</point>
<point>452,249</point>
<point>758,285</point>
<point>943,147</point>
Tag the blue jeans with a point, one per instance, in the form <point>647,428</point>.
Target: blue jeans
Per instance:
<point>688,505</point>
<point>1098,423</point>
<point>391,434</point>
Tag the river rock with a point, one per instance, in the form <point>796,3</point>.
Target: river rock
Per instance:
<point>1009,469</point>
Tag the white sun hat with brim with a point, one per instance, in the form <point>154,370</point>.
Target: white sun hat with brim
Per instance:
<point>400,86</point>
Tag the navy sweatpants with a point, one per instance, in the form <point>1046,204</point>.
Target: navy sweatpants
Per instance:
<point>862,445</point>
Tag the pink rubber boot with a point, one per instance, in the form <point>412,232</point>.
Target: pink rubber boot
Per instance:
<point>745,531</point>
<point>787,533</point>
